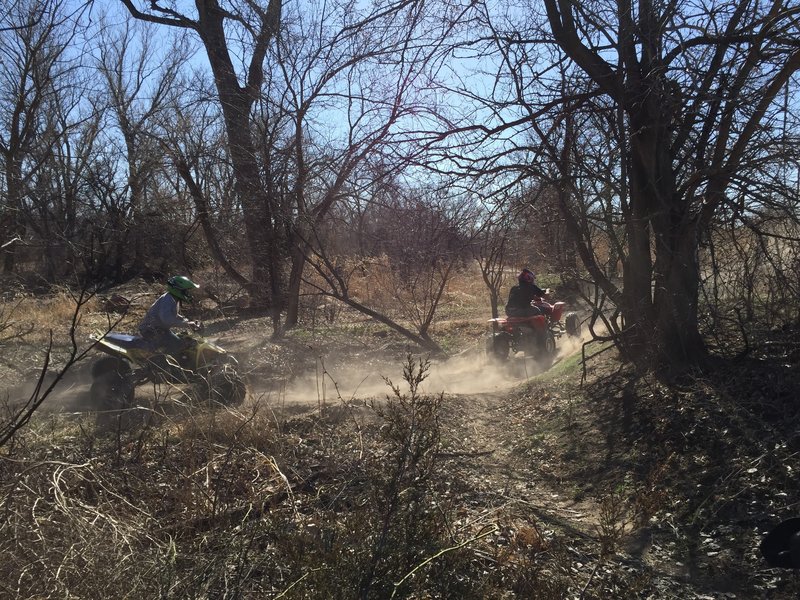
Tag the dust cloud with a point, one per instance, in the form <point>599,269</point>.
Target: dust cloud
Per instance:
<point>475,373</point>
<point>470,372</point>
<point>70,393</point>
<point>568,345</point>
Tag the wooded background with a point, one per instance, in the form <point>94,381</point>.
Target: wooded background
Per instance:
<point>279,149</point>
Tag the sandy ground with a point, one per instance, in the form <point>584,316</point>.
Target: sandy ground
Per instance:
<point>337,376</point>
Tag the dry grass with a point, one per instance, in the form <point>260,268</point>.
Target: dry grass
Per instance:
<point>35,317</point>
<point>348,500</point>
<point>27,322</point>
<point>341,504</point>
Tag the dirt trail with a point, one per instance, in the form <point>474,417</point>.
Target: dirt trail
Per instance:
<point>469,372</point>
<point>486,436</point>
<point>491,443</point>
<point>489,428</point>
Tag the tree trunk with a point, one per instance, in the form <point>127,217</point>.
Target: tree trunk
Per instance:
<point>662,275</point>
<point>12,226</point>
<point>260,227</point>
<point>494,301</point>
<point>677,283</point>
<point>298,255</point>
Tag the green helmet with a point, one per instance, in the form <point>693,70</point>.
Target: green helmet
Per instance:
<point>180,287</point>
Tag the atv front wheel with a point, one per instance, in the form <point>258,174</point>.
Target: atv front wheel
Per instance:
<point>549,345</point>
<point>546,350</point>
<point>223,385</point>
<point>164,368</point>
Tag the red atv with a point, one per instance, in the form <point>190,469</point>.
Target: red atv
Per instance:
<point>535,336</point>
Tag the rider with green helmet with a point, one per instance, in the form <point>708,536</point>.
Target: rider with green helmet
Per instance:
<point>163,315</point>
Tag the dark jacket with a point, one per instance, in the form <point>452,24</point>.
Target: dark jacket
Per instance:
<point>520,298</point>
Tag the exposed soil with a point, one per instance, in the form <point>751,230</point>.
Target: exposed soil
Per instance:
<point>629,487</point>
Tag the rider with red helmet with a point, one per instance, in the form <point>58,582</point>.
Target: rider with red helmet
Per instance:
<point>521,296</point>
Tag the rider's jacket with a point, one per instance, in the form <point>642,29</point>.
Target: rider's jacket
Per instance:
<point>161,316</point>
<point>520,298</point>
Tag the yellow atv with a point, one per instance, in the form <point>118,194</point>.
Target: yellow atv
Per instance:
<point>132,360</point>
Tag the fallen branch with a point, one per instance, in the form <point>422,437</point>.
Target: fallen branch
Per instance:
<point>481,535</point>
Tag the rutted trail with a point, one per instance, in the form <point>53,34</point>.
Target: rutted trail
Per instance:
<point>491,448</point>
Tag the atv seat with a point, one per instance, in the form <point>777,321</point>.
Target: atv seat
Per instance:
<point>125,340</point>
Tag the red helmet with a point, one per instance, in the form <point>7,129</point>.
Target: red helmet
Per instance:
<point>527,276</point>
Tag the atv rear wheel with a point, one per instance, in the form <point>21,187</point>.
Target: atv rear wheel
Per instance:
<point>498,346</point>
<point>110,364</point>
<point>572,324</point>
<point>112,391</point>
<point>112,384</point>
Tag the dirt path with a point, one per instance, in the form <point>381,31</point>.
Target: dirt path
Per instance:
<point>492,449</point>
<point>488,437</point>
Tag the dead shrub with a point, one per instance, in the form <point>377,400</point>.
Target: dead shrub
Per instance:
<point>346,502</point>
<point>613,521</point>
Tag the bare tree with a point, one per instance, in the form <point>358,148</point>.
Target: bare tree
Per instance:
<point>349,85</point>
<point>691,103</point>
<point>55,197</point>
<point>32,59</point>
<point>140,82</point>
<point>702,102</point>
<point>491,252</point>
<point>313,68</point>
<point>237,91</point>
<point>419,240</point>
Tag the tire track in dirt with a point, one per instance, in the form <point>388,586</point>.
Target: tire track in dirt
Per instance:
<point>488,447</point>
